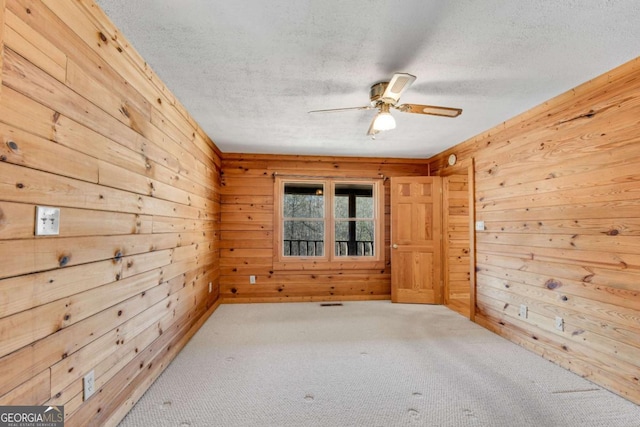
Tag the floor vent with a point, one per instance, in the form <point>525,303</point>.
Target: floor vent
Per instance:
<point>331,304</point>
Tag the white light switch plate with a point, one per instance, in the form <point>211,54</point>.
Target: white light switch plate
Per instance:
<point>559,323</point>
<point>47,221</point>
<point>252,280</point>
<point>89,385</point>
<point>479,225</point>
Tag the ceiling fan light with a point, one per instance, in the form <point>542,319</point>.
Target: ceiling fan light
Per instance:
<point>384,121</point>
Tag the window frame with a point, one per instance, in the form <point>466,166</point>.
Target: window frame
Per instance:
<point>329,260</point>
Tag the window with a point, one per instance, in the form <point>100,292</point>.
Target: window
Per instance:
<point>325,222</point>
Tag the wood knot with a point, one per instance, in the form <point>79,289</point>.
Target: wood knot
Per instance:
<point>12,145</point>
<point>63,260</point>
<point>119,313</point>
<point>552,284</point>
<point>564,298</point>
<point>612,232</point>
<point>102,37</point>
<point>117,256</point>
<point>3,158</point>
<point>20,185</point>
<point>234,290</point>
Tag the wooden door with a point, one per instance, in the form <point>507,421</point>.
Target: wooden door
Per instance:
<point>416,235</point>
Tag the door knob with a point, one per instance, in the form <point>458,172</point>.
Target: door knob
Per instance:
<point>395,246</point>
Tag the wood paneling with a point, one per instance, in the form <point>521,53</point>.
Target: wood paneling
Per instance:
<point>86,126</point>
<point>2,36</point>
<point>557,188</point>
<point>456,244</point>
<point>247,228</point>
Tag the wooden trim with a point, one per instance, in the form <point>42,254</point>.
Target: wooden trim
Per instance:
<point>247,300</point>
<point>329,260</point>
<point>228,157</point>
<point>472,239</point>
<point>325,177</point>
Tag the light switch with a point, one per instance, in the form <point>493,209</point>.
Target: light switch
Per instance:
<point>480,226</point>
<point>47,221</point>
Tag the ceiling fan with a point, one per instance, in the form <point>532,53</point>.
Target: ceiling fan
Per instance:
<point>386,95</point>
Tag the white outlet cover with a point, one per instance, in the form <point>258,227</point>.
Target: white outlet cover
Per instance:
<point>480,226</point>
<point>524,311</point>
<point>47,221</point>
<point>89,382</point>
<point>559,323</point>
<point>252,280</point>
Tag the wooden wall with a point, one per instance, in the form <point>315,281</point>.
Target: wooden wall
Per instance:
<point>87,126</point>
<point>559,190</point>
<point>246,234</point>
<point>456,245</point>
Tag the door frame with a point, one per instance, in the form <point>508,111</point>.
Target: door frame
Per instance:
<point>466,166</point>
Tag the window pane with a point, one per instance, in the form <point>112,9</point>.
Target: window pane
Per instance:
<point>354,238</point>
<point>353,201</point>
<point>303,200</point>
<point>341,209</point>
<point>303,238</point>
<point>364,207</point>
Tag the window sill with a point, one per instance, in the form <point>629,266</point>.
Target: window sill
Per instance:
<point>343,264</point>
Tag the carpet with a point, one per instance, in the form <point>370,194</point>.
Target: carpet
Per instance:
<point>366,364</point>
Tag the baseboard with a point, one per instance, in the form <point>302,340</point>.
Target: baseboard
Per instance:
<point>251,300</point>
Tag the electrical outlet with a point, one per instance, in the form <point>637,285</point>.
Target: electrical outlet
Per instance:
<point>559,323</point>
<point>47,221</point>
<point>524,311</point>
<point>480,226</point>
<point>89,385</point>
<point>210,287</point>
<point>252,279</point>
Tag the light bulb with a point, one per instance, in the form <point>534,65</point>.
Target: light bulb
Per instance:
<point>384,121</point>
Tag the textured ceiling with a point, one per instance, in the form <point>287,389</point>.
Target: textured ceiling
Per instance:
<point>249,71</point>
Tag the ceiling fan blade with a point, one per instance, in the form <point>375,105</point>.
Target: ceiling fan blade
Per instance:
<point>397,85</point>
<point>334,110</point>
<point>432,110</point>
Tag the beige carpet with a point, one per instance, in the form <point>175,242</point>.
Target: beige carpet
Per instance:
<point>366,364</point>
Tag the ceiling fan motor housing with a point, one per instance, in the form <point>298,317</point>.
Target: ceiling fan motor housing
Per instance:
<point>376,92</point>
